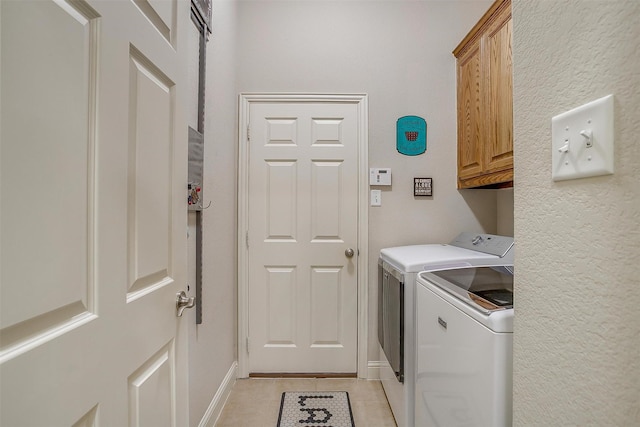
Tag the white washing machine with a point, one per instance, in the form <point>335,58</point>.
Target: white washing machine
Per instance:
<point>464,347</point>
<point>397,271</point>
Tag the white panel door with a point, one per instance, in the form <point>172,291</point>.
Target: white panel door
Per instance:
<point>93,222</point>
<point>303,216</point>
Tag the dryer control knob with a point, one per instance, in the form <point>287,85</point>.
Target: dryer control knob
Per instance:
<point>477,240</point>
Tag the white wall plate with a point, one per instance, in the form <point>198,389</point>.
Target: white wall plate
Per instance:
<point>379,176</point>
<point>582,141</point>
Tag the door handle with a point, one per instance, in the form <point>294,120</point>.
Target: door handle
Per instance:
<point>183,302</point>
<point>349,253</point>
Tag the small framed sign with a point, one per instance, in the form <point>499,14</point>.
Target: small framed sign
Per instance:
<point>422,187</point>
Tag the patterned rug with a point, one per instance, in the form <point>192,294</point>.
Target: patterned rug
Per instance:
<point>315,408</point>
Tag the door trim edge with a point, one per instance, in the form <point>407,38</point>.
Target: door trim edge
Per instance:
<point>244,102</point>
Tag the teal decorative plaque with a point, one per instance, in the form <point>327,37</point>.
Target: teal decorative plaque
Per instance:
<point>411,135</point>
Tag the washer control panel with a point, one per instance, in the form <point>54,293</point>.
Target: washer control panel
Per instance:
<point>486,243</point>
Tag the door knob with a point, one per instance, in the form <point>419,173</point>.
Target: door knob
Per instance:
<point>183,302</point>
<point>349,253</point>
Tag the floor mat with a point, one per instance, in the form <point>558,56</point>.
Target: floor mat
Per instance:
<point>315,408</point>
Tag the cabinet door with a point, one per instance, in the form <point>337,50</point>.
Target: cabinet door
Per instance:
<point>498,146</point>
<point>470,118</point>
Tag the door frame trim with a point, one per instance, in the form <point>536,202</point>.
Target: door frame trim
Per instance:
<point>244,102</point>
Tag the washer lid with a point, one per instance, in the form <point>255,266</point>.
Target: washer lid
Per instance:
<point>486,289</point>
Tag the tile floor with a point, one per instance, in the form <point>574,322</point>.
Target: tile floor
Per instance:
<point>255,402</point>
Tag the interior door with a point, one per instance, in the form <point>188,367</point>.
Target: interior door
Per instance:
<point>303,222</point>
<point>93,225</point>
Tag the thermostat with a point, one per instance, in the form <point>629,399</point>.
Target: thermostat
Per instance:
<point>380,176</point>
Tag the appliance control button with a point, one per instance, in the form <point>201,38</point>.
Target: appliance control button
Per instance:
<point>477,240</point>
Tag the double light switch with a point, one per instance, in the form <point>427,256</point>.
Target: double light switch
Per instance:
<point>582,141</point>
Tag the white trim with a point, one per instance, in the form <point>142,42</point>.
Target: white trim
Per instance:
<point>245,99</point>
<point>214,410</point>
<point>363,237</point>
<point>373,372</point>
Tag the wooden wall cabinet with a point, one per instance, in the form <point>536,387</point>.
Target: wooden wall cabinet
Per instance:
<point>485,101</point>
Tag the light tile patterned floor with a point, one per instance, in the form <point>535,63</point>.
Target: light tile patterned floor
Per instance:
<point>255,402</point>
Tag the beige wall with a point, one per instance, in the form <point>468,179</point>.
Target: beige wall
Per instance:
<point>399,53</point>
<point>577,326</point>
<point>504,200</point>
<point>212,344</point>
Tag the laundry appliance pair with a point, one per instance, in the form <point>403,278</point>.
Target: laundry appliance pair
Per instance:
<point>398,269</point>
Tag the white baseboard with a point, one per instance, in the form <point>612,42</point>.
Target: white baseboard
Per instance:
<point>219,399</point>
<point>373,369</point>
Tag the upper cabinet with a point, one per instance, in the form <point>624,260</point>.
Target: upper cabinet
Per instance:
<point>485,101</point>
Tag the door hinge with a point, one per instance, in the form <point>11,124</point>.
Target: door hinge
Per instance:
<point>248,133</point>
<point>247,345</point>
<point>246,239</point>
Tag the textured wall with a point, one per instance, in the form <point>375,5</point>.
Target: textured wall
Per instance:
<point>577,330</point>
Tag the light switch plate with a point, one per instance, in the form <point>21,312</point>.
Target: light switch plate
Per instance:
<point>376,197</point>
<point>582,141</point>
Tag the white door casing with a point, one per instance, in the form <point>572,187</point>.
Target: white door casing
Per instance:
<point>93,222</point>
<point>301,205</point>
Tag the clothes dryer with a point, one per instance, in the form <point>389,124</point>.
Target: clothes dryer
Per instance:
<point>397,271</point>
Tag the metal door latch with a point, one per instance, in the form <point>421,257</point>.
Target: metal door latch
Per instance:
<point>183,302</point>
